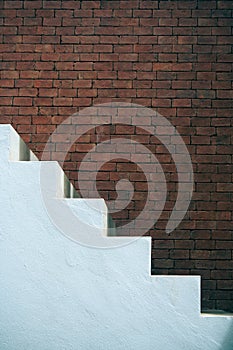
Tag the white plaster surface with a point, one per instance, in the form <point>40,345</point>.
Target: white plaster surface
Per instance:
<point>58,295</point>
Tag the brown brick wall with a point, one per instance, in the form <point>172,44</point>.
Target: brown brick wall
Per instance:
<point>173,56</point>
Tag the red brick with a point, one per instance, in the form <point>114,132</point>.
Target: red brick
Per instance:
<point>168,22</point>
<point>109,57</point>
<point>43,101</point>
<point>22,101</point>
<point>181,102</point>
<point>103,48</point>
<point>89,39</point>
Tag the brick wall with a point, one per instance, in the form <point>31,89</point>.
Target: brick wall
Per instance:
<point>172,56</point>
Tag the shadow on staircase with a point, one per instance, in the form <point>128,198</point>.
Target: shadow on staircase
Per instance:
<point>228,340</point>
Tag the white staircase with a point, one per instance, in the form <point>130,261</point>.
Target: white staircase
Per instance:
<point>56,294</point>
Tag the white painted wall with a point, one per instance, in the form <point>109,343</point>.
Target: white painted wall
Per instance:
<point>58,295</point>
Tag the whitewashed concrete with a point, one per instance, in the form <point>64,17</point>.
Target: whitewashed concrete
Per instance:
<point>58,295</point>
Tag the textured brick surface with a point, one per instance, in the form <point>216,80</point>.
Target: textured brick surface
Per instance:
<point>174,56</point>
